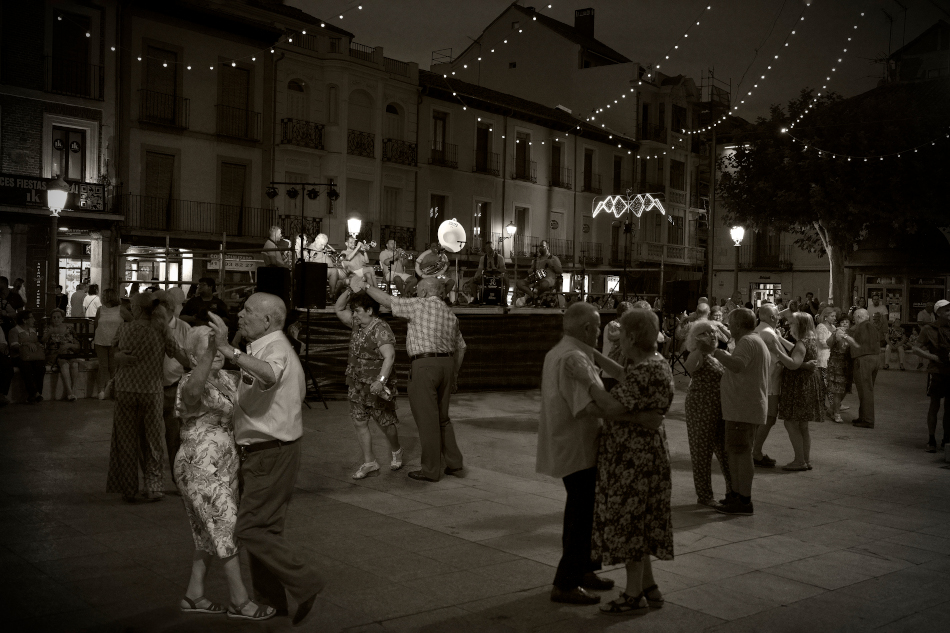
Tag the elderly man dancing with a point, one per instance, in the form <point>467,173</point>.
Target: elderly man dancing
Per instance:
<point>268,424</point>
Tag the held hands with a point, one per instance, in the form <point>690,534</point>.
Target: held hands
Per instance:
<point>376,388</point>
<point>357,284</point>
<point>810,366</point>
<point>219,331</point>
<point>651,419</point>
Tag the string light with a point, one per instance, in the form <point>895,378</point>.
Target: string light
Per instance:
<point>909,150</point>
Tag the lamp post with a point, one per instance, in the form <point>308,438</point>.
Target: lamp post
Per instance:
<point>353,225</point>
<point>56,192</point>
<point>511,230</point>
<point>737,233</point>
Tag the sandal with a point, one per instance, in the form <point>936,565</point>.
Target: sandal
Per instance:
<point>655,603</point>
<point>193,607</point>
<point>367,469</point>
<point>262,612</point>
<point>396,463</point>
<point>626,604</point>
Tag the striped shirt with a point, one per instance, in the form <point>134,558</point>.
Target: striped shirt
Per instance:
<point>433,328</point>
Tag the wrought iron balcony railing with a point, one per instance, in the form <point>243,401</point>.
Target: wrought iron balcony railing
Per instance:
<point>361,51</point>
<point>592,183</point>
<point>525,245</point>
<point>486,163</point>
<point>302,133</point>
<point>524,170</point>
<point>402,152</point>
<point>74,78</point>
<point>163,109</point>
<point>562,249</point>
<point>592,253</point>
<point>653,133</point>
<point>361,143</point>
<point>396,67</point>
<point>170,214</point>
<point>238,123</point>
<point>562,177</point>
<point>445,155</point>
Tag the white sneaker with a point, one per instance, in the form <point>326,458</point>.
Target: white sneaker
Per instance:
<point>102,394</point>
<point>396,464</point>
<point>367,469</point>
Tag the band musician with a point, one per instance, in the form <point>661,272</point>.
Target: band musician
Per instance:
<point>435,263</point>
<point>391,261</point>
<point>322,253</point>
<point>544,273</point>
<point>356,262</point>
<point>490,264</point>
<point>279,259</point>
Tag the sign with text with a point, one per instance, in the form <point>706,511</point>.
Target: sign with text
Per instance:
<point>25,191</point>
<point>234,262</point>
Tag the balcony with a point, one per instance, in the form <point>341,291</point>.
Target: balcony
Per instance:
<point>653,133</point>
<point>163,109</point>
<point>405,236</point>
<point>620,187</point>
<point>361,143</point>
<point>188,216</point>
<point>592,183</point>
<point>396,67</point>
<point>562,178</point>
<point>525,245</point>
<point>668,253</point>
<point>486,163</point>
<point>774,258</point>
<point>238,123</point>
<point>655,188</point>
<point>524,170</point>
<point>74,78</point>
<point>401,152</point>
<point>675,196</point>
<point>562,249</point>
<point>475,246</point>
<point>295,225</point>
<point>361,51</point>
<point>592,253</point>
<point>444,155</point>
<point>301,133</point>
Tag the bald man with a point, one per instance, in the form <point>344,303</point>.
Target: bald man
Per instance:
<point>436,349</point>
<point>865,348</point>
<point>268,425</point>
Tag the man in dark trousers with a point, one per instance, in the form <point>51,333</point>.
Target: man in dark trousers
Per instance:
<point>197,308</point>
<point>268,425</point>
<point>934,345</point>
<point>865,349</point>
<point>436,349</point>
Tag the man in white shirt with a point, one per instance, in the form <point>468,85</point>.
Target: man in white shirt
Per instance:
<point>926,315</point>
<point>768,319</point>
<point>268,424</point>
<point>172,300</point>
<point>76,301</point>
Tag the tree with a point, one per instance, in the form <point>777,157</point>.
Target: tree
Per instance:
<point>809,187</point>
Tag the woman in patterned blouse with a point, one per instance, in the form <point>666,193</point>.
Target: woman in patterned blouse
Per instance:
<point>370,377</point>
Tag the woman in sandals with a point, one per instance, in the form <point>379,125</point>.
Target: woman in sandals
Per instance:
<point>632,513</point>
<point>802,390</point>
<point>61,347</point>
<point>370,378</point>
<point>206,471</point>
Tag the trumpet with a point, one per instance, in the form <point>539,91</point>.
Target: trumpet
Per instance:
<point>403,254</point>
<point>366,245</point>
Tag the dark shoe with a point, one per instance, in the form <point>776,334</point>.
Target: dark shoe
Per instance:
<point>626,605</point>
<point>595,582</point>
<point>455,472</point>
<point>737,508</point>
<point>304,609</point>
<point>573,596</point>
<point>932,447</point>
<point>418,476</point>
<point>861,424</point>
<point>731,497</point>
<point>765,462</point>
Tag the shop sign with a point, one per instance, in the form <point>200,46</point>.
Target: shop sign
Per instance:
<point>23,191</point>
<point>926,281</point>
<point>881,281</point>
<point>234,262</point>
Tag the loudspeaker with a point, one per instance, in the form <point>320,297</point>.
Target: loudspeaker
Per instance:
<point>492,296</point>
<point>310,285</point>
<point>274,280</point>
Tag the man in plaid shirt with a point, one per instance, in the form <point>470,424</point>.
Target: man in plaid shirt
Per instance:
<point>436,348</point>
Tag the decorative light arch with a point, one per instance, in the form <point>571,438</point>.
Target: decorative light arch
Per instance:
<point>637,205</point>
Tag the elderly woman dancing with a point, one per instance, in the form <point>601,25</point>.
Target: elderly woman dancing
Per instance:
<point>802,398</point>
<point>206,470</point>
<point>705,428</point>
<point>632,513</point>
<point>370,377</point>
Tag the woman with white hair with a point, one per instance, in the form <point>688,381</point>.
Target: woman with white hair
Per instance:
<point>705,428</point>
<point>206,471</point>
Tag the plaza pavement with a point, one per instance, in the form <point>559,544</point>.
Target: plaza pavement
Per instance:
<point>861,543</point>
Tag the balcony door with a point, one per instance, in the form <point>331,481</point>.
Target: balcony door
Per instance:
<point>522,156</point>
<point>588,169</point>
<point>69,153</point>
<point>298,106</point>
<point>156,206</point>
<point>481,225</point>
<point>482,147</point>
<point>233,188</point>
<point>69,66</point>
<point>161,85</point>
<point>235,99</point>
<point>393,123</point>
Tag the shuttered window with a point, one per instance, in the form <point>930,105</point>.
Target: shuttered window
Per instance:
<point>161,70</point>
<point>233,182</point>
<point>159,174</point>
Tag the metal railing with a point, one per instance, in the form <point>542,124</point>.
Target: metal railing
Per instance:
<point>651,187</point>
<point>302,133</point>
<point>525,245</point>
<point>653,133</point>
<point>402,152</point>
<point>562,249</point>
<point>361,51</point>
<point>74,78</point>
<point>670,253</point>
<point>405,236</point>
<point>475,246</point>
<point>308,42</point>
<point>361,143</point>
<point>171,214</point>
<point>486,163</point>
<point>525,170</point>
<point>163,109</point>
<point>562,177</point>
<point>620,188</point>
<point>396,67</point>
<point>592,253</point>
<point>592,183</point>
<point>752,257</point>
<point>238,123</point>
<point>293,225</point>
<point>445,155</point>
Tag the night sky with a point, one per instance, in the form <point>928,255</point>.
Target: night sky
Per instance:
<point>643,30</point>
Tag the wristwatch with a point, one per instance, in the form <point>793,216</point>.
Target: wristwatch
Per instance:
<point>381,378</point>
<point>237,353</point>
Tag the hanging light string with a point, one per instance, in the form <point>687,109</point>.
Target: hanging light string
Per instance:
<point>676,45</point>
<point>732,110</point>
<point>834,68</point>
<point>826,153</point>
<point>358,7</point>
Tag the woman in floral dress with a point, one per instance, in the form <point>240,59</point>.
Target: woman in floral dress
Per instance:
<point>837,379</point>
<point>206,471</point>
<point>61,347</point>
<point>632,513</point>
<point>370,377</point>
<point>802,392</point>
<point>705,428</point>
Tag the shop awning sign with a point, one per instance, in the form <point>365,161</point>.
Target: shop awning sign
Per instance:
<point>234,262</point>
<point>27,191</point>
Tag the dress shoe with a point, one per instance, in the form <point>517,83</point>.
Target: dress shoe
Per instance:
<point>595,582</point>
<point>576,595</point>
<point>455,472</point>
<point>303,610</point>
<point>418,476</point>
<point>861,424</point>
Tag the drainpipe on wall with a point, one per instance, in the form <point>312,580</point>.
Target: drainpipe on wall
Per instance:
<point>273,162</point>
<point>415,194</point>
<point>504,187</point>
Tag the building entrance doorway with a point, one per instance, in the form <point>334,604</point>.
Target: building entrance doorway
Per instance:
<point>765,293</point>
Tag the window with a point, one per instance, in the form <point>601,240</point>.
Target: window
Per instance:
<point>159,98</point>
<point>390,206</point>
<point>512,64</point>
<point>588,169</point>
<point>521,235</point>
<point>393,122</point>
<point>437,213</point>
<point>660,175</point>
<point>333,97</point>
<point>233,108</point>
<point>69,153</point>
<point>645,121</point>
<point>70,72</point>
<point>233,184</point>
<point>440,125</point>
<point>618,174</point>
<point>359,113</point>
<point>654,232</point>
<point>298,104</point>
<point>675,233</point>
<point>678,115</point>
<point>522,156</point>
<point>483,145</point>
<point>515,26</point>
<point>614,242</point>
<point>677,174</point>
<point>481,224</point>
<point>661,118</point>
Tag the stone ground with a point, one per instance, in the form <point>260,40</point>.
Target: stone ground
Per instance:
<point>860,543</point>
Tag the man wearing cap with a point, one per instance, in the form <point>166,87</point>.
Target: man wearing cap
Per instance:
<point>934,345</point>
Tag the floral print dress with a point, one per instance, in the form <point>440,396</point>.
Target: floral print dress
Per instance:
<point>55,342</point>
<point>837,376</point>
<point>206,467</point>
<point>363,366</point>
<point>632,512</point>
<point>803,394</point>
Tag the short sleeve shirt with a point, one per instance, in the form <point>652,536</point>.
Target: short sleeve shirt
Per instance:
<point>936,340</point>
<point>433,328</point>
<point>273,413</point>
<point>926,317</point>
<point>566,444</point>
<point>744,394</point>
<point>770,337</point>
<point>365,361</point>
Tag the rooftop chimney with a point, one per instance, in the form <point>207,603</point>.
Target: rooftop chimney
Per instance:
<point>584,21</point>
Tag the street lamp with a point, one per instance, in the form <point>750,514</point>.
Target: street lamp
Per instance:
<point>56,193</point>
<point>737,233</point>
<point>353,225</point>
<point>511,230</point>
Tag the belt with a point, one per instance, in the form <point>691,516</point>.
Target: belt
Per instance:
<point>429,355</point>
<point>263,446</point>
